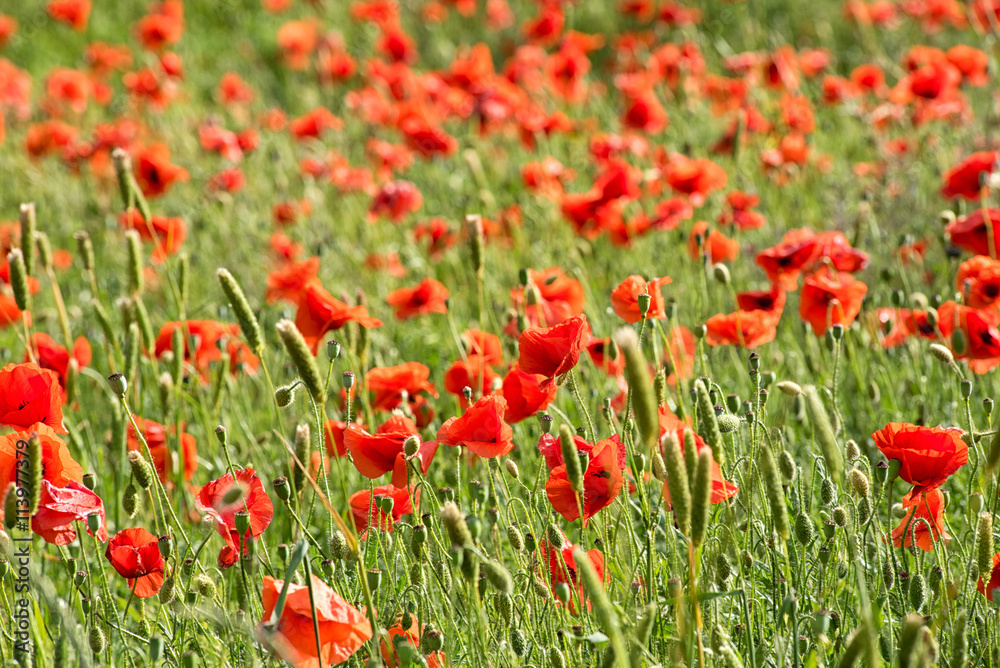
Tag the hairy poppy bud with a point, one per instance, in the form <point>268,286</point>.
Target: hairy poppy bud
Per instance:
<point>454,523</point>
<point>98,641</point>
<point>10,508</point>
<point>205,585</point>
<point>140,469</point>
<point>168,592</point>
<point>786,464</point>
<point>555,536</point>
<point>241,309</point>
<point>860,484</point>
<point>284,396</point>
<point>708,423</point>
<point>302,357</point>
<point>411,446</point>
<point>474,230</point>
<point>514,538</point>
<point>498,576</point>
<point>130,500</point>
<point>643,399</point>
<point>302,450</point>
<point>659,468</point>
<point>29,227</point>
<point>917,592</point>
<point>19,279</point>
<point>136,278</point>
<point>511,466</point>
<point>569,454</point>
<point>804,529</point>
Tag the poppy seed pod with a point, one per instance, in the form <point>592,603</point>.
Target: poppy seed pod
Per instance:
<point>282,488</point>
<point>118,384</point>
<point>642,301</point>
<point>302,357</point>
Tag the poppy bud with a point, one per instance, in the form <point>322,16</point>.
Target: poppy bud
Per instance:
<point>723,568</point>
<point>984,543</point>
<point>205,585</point>
<point>804,529</point>
<point>965,386</point>
<point>35,472</point>
<point>728,423</point>
<point>721,274</point>
<point>864,509</point>
<point>569,454</point>
<point>555,536</point>
<point>284,396</point>
<point>529,542</point>
<point>140,469</point>
<point>514,538</point>
<point>98,641</point>
<point>511,466</point>
<point>118,384</point>
<point>824,432</point>
<point>690,454</point>
<point>917,593</point>
<point>302,357</point>
<point>701,495</point>
<point>168,591</point>
<point>44,250</point>
<point>93,522</point>
<point>556,657</point>
<point>130,499</point>
<point>860,484</point>
<point>786,465</point>
<point>789,388</point>
<point>708,423</point>
<point>772,489</point>
<point>10,508</point>
<point>959,641</point>
<point>958,342</point>
<point>498,576</point>
<point>454,523</point>
<point>562,592</point>
<point>411,446</point>
<point>241,309</point>
<point>155,649</point>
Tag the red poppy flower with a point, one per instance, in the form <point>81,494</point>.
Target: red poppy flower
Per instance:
<point>772,301</point>
<point>965,179</point>
<point>695,178</point>
<point>210,338</point>
<point>553,351</point>
<point>297,40</point>
<point>55,357</point>
<point>135,554</point>
<point>166,234</point>
<point>482,428</point>
<point>971,62</point>
<point>320,312</point>
<point>161,440</point>
<point>524,395</point>
<point>980,329</point>
<point>30,394</point>
<point>721,488</point>
<point>739,211</point>
<point>713,244</point>
<point>478,342</point>
<point>314,123</point>
<point>159,29</point>
<point>10,315</point>
<point>154,171</point>
<point>473,372</point>
<point>388,383</point>
<point>376,454</point>
<point>624,298</point>
<point>51,136</point>
<point>58,466</point>
<point>678,356</point>
<point>601,483</point>
<point>785,261</point>
<point>412,635</point>
<point>562,569</point>
<point>362,502</point>
<point>550,448</point>
<point>746,329</point>
<point>213,501</point>
<point>430,296</point>
<point>988,587</point>
<point>830,299</point>
<point>395,199</point>
<point>979,279</point>
<point>605,356</point>
<point>927,506</point>
<point>61,506</point>
<point>343,629</point>
<point>970,232</point>
<point>559,298</point>
<point>71,12</point>
<point>288,282</point>
<point>928,455</point>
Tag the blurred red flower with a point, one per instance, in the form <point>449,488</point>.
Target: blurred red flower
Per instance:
<point>384,520</point>
<point>429,296</point>
<point>160,440</point>
<point>830,298</point>
<point>625,298</point>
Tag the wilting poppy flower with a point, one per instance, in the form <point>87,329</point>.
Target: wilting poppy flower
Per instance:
<point>473,372</point>
<point>154,172</point>
<point>58,467</point>
<point>987,586</point>
<point>927,455</point>
<point>721,488</point>
<point>135,554</point>
<point>746,329</point>
<point>362,502</point>
<point>320,312</point>
<point>830,298</point>
<point>343,629</point>
<point>59,507</point>
<point>559,298</point>
<point>923,524</point>
<point>562,568</point>
<point>601,483</point>
<point>970,232</point>
<point>481,428</point>
<point>524,394</point>
<point>711,243</point>
<point>388,383</point>
<point>161,440</point>
<point>412,635</point>
<point>167,234</point>
<point>376,454</point>
<point>966,178</point>
<point>429,296</point>
<point>30,394</point>
<point>625,298</point>
<point>53,356</point>
<point>209,338</point>
<point>553,351</point>
<point>71,12</point>
<point>213,501</point>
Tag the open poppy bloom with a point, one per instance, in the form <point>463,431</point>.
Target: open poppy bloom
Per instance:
<point>343,629</point>
<point>334,439</point>
<point>429,296</point>
<point>923,524</point>
<point>376,454</point>
<point>713,244</point>
<point>988,587</point>
<point>9,313</point>
<point>625,298</point>
<point>59,507</point>
<point>473,372</point>
<point>746,329</point>
<point>927,455</point>
<point>412,635</point>
<point>973,232</point>
<point>154,172</point>
<point>319,312</point>
<point>979,279</point>
<point>553,351</point>
<point>481,428</point>
<point>362,503</point>
<point>388,383</point>
<point>161,440</point>
<point>722,489</point>
<point>478,342</point>
<point>209,338</point>
<point>135,554</point>
<point>58,466</point>
<point>830,300</point>
<point>559,298</point>
<point>965,179</point>
<point>562,569</point>
<point>212,500</point>
<point>74,13</point>
<point>772,301</point>
<point>524,394</point>
<point>695,178</point>
<point>601,483</point>
<point>551,449</point>
<point>288,282</point>
<point>606,356</point>
<point>30,394</point>
<point>53,356</point>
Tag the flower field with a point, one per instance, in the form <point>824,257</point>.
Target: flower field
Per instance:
<point>499,333</point>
